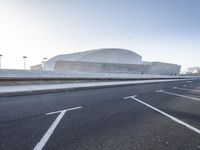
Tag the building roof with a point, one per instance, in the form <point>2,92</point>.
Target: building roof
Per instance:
<point>107,55</point>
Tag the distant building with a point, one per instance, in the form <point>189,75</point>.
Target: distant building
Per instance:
<point>37,67</point>
<point>109,60</point>
<point>194,70</point>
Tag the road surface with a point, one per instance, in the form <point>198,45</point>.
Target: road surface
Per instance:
<point>153,116</point>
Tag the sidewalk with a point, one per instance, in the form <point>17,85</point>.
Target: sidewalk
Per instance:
<point>37,89</point>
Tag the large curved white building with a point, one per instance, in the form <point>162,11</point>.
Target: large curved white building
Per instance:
<point>107,55</point>
<point>108,60</point>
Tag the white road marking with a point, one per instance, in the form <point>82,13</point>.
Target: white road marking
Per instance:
<point>184,85</point>
<point>165,114</point>
<point>189,81</point>
<point>49,132</point>
<point>59,111</point>
<point>170,93</point>
<point>186,89</point>
<point>193,86</point>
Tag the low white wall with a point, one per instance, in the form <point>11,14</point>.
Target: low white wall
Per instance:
<point>109,68</point>
<point>4,73</point>
<point>155,68</point>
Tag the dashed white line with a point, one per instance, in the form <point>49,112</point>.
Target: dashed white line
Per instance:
<point>186,89</point>
<point>184,96</point>
<point>165,114</point>
<point>49,132</point>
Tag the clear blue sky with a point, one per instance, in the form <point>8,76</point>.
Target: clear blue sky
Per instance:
<point>159,30</point>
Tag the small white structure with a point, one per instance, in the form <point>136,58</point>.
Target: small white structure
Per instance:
<point>194,70</point>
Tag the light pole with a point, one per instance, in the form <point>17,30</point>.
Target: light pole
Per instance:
<point>0,60</point>
<point>24,57</point>
<point>44,60</point>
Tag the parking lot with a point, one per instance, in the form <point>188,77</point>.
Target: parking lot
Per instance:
<point>144,116</point>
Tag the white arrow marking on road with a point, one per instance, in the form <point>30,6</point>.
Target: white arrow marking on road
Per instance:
<point>165,114</point>
<point>49,132</point>
<point>184,96</point>
<point>186,89</point>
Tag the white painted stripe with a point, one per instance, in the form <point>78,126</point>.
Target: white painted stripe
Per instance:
<point>59,111</point>
<point>184,96</point>
<point>49,132</point>
<point>184,85</point>
<point>186,89</point>
<point>165,114</point>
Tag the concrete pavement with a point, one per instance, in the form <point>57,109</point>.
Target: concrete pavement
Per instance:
<point>104,118</point>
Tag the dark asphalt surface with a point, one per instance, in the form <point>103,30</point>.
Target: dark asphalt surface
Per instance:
<point>106,121</point>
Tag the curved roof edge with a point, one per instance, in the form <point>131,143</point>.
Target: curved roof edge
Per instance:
<point>77,55</point>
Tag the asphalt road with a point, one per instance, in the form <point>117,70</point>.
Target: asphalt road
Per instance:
<point>156,116</point>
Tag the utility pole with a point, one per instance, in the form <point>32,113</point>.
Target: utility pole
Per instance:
<point>24,57</point>
<point>44,60</point>
<point>0,60</point>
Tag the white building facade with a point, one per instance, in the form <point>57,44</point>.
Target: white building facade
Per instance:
<point>108,60</point>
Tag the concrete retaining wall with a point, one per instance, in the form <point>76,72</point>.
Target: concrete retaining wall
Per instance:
<point>28,73</point>
<point>10,73</point>
<point>70,66</point>
<point>23,77</point>
<point>155,68</point>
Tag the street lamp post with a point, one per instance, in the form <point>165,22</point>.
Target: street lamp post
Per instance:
<point>24,57</point>
<point>44,60</point>
<point>0,60</point>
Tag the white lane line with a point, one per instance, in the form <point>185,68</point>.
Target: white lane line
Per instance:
<point>184,85</point>
<point>184,96</point>
<point>189,81</point>
<point>165,114</point>
<point>193,86</point>
<point>59,111</point>
<point>186,89</point>
<point>49,132</point>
